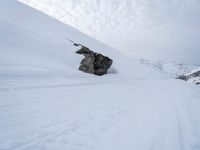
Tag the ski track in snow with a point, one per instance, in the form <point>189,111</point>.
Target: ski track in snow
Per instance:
<point>113,115</point>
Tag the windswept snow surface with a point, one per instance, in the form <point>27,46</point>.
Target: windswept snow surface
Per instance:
<point>47,104</point>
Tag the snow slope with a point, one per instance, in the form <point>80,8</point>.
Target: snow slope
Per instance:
<point>152,29</point>
<point>47,104</point>
<point>27,32</point>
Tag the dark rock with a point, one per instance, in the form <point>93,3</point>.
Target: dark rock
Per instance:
<point>183,77</point>
<point>94,63</point>
<point>87,64</point>
<point>189,76</point>
<point>75,44</point>
<point>194,77</point>
<point>195,74</point>
<point>84,50</point>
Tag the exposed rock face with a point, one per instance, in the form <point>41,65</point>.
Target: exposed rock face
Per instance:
<point>183,77</point>
<point>94,63</point>
<point>194,77</point>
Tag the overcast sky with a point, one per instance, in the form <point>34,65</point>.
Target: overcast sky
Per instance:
<point>153,29</point>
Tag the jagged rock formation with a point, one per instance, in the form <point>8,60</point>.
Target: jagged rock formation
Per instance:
<point>94,63</point>
<point>195,77</point>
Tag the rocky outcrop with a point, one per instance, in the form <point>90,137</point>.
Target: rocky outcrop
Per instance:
<point>194,77</point>
<point>94,63</point>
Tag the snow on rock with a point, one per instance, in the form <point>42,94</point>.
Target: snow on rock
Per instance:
<point>195,80</point>
<point>193,77</point>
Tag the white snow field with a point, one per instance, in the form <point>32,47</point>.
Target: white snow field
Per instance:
<point>47,104</point>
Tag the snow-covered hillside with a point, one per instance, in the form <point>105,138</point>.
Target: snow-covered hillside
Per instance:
<point>46,103</point>
<point>28,42</point>
<point>152,29</point>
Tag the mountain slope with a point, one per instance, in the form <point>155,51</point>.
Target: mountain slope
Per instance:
<point>27,39</point>
<point>32,38</point>
<point>151,29</point>
<point>47,104</point>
